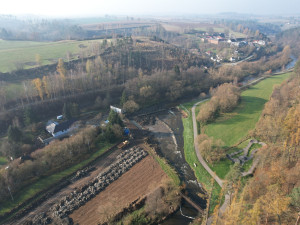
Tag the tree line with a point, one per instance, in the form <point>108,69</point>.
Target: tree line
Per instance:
<point>142,86</point>
<point>224,99</point>
<point>58,156</point>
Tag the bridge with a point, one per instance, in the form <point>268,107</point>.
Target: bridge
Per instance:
<point>192,203</point>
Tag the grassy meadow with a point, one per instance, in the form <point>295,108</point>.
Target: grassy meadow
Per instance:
<point>14,53</point>
<point>3,161</point>
<point>232,127</point>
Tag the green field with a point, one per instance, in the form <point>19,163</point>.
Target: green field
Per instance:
<point>43,183</point>
<point>190,156</point>
<point>238,123</point>
<point>222,30</point>
<point>14,53</point>
<point>231,129</point>
<point>3,161</point>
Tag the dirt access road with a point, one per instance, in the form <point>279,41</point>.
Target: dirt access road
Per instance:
<point>100,165</point>
<point>142,179</point>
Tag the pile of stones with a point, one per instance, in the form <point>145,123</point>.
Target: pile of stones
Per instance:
<point>82,173</point>
<point>77,198</point>
<point>41,219</point>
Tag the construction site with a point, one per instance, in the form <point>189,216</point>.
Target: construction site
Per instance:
<point>120,181</point>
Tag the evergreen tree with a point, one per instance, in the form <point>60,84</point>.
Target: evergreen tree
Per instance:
<point>177,70</point>
<point>114,118</point>
<point>29,116</point>
<point>14,134</point>
<point>74,110</point>
<point>123,98</point>
<point>66,111</point>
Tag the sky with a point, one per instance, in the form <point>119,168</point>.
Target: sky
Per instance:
<point>83,8</point>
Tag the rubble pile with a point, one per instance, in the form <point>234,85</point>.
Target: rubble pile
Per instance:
<point>77,198</point>
<point>82,173</point>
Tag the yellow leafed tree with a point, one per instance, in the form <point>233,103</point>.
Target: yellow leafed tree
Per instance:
<point>38,86</point>
<point>292,128</point>
<point>274,203</point>
<point>45,86</point>
<point>61,69</point>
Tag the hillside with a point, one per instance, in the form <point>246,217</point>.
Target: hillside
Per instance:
<point>271,196</point>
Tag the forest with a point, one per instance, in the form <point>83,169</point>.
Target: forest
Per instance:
<point>272,194</point>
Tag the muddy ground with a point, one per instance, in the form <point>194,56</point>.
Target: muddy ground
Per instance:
<point>167,129</point>
<point>140,180</point>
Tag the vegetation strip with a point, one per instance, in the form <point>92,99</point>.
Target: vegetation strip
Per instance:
<point>190,155</point>
<point>165,166</point>
<point>35,191</point>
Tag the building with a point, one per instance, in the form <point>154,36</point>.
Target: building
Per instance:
<point>213,41</point>
<point>259,42</point>
<point>59,129</point>
<point>115,109</point>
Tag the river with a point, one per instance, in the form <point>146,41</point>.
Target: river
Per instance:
<point>288,66</point>
<point>173,151</point>
<point>177,160</point>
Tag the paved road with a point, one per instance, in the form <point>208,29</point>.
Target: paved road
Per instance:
<point>204,164</point>
<point>201,160</point>
<point>235,63</point>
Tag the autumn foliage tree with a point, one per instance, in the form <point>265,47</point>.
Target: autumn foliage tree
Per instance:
<point>210,149</point>
<point>61,69</point>
<point>39,87</point>
<point>224,99</point>
<point>272,195</point>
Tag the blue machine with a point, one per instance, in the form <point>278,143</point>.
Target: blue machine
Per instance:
<point>126,131</point>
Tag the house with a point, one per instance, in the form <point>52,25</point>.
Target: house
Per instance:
<point>59,129</point>
<point>204,40</point>
<point>213,41</point>
<point>231,40</point>
<point>259,42</point>
<point>232,59</point>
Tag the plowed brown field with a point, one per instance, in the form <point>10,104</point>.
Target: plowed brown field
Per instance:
<point>140,180</point>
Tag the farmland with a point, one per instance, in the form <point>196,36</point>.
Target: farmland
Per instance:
<point>142,179</point>
<point>14,54</point>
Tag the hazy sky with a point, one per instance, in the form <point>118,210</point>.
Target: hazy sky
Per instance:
<point>146,7</point>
